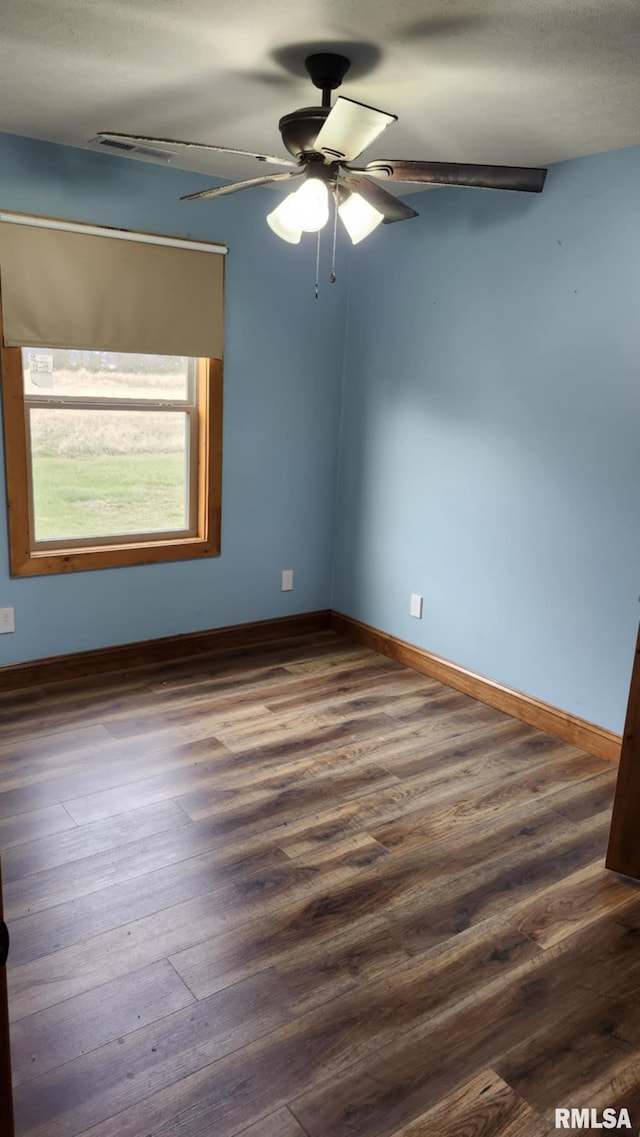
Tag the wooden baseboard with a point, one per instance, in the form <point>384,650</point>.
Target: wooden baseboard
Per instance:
<point>576,731</point>
<point>123,657</point>
<point>569,728</point>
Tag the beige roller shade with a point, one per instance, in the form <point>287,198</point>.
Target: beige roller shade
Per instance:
<point>78,289</point>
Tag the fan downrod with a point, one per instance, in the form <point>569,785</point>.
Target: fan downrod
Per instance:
<point>327,71</point>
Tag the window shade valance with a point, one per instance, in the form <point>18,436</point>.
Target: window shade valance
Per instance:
<point>91,289</point>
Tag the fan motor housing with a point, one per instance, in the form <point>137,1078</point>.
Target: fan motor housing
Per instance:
<point>300,129</point>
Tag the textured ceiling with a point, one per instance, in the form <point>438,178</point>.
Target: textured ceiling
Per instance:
<point>521,82</point>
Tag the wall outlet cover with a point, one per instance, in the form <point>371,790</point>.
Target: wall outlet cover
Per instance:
<point>7,620</point>
<point>287,580</point>
<point>415,608</point>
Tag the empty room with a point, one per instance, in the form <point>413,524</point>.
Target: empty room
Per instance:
<point>319,569</point>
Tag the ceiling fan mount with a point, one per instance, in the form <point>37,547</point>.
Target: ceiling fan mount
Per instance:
<point>327,70</point>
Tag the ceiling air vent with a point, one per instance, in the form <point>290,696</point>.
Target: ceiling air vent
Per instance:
<point>132,149</point>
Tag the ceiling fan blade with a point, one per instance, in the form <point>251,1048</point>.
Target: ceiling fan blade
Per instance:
<point>349,128</point>
<point>141,139</point>
<point>391,207</point>
<point>233,187</point>
<point>456,174</point>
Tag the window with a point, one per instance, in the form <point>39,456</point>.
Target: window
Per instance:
<point>113,457</point>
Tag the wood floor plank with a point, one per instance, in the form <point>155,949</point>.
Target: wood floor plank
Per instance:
<point>349,1031</point>
<point>68,1030</point>
<point>596,797</point>
<point>266,805</point>
<point>313,739</point>
<point>484,1107</point>
<point>111,802</point>
<point>45,980</point>
<point>122,1075</point>
<point>245,767</point>
<point>279,1124</point>
<point>465,810</point>
<point>223,959</point>
<point>482,893</point>
<point>236,708</point>
<point>45,853</point>
<point>317,663</point>
<point>621,1092</point>
<point>422,830</point>
<point>444,709</point>
<point>113,866</point>
<point>28,759</point>
<point>114,769</point>
<point>576,902</point>
<point>440,786</point>
<point>80,708</point>
<point>606,954</point>
<point>51,819</point>
<point>343,900</point>
<point>266,881</point>
<point>98,910</point>
<point>571,1065</point>
<point>133,1066</point>
<point>355,890</point>
<point>421,1066</point>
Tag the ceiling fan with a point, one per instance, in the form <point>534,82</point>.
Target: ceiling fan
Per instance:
<point>321,141</point>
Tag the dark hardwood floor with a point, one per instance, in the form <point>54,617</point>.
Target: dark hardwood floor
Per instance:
<point>301,890</point>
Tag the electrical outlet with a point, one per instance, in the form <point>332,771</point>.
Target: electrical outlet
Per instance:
<point>287,580</point>
<point>7,620</point>
<point>415,607</point>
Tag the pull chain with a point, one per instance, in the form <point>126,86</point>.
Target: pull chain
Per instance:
<point>317,263</point>
<point>332,274</point>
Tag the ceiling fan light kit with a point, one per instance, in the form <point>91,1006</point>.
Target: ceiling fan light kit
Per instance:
<point>283,224</point>
<point>321,140</point>
<point>304,211</point>
<point>358,217</point>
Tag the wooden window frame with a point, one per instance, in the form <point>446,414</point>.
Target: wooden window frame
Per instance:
<point>27,559</point>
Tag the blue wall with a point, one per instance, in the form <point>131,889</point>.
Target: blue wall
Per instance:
<point>283,358</point>
<point>488,458</point>
<point>490,440</point>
